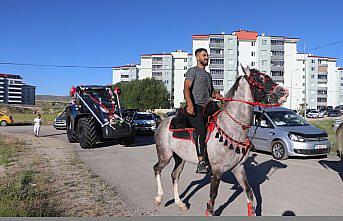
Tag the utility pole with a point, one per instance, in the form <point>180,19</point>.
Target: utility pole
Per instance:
<point>305,103</point>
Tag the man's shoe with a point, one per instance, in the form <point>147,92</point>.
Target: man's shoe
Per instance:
<point>202,167</point>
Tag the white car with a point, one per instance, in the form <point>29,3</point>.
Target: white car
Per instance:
<point>315,114</point>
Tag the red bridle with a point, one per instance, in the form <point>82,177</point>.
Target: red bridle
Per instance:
<point>252,83</point>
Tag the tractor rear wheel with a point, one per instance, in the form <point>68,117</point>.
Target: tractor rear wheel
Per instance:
<point>87,132</point>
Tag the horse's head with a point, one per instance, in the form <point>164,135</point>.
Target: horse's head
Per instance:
<point>263,88</point>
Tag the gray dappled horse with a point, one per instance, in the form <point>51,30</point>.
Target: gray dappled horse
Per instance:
<point>231,124</point>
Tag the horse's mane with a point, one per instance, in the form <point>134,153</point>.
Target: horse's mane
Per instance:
<point>233,89</point>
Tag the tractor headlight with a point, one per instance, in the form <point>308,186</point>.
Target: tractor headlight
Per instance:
<point>294,137</point>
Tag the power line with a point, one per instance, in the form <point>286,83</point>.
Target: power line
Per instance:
<point>110,67</point>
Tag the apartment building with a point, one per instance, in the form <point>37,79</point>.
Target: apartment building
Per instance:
<point>316,80</point>
<point>11,89</point>
<point>169,68</point>
<point>28,96</point>
<point>273,55</point>
<point>125,73</point>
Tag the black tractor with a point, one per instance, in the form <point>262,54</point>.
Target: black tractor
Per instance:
<point>95,115</point>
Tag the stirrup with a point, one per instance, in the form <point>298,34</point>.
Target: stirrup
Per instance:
<point>202,167</point>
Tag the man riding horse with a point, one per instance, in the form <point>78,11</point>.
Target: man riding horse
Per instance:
<point>227,144</point>
<point>198,91</point>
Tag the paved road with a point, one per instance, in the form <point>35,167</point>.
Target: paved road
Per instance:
<point>300,186</point>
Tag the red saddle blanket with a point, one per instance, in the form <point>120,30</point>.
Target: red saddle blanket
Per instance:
<point>182,129</point>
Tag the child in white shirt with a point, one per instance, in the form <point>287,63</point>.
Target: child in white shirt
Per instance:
<point>36,127</point>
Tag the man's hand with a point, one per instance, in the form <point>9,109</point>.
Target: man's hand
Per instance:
<point>190,109</point>
<point>217,95</point>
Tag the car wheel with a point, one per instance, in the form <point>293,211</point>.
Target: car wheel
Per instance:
<point>279,150</point>
<point>3,123</point>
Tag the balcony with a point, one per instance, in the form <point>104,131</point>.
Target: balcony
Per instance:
<point>157,62</point>
<point>217,76</point>
<point>216,45</point>
<point>218,87</point>
<point>322,81</point>
<point>277,68</point>
<point>322,95</point>
<point>277,78</point>
<point>277,57</point>
<point>213,55</point>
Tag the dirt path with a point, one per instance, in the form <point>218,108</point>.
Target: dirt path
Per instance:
<point>77,190</point>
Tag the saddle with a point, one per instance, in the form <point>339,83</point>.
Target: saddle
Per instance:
<point>182,129</point>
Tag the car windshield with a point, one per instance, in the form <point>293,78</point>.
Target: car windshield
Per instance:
<point>286,118</point>
<point>143,117</point>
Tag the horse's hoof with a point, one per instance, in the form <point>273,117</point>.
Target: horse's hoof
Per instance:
<point>251,211</point>
<point>183,207</point>
<point>208,213</point>
<point>157,201</point>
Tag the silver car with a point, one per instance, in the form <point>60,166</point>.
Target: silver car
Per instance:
<point>284,133</point>
<point>144,122</point>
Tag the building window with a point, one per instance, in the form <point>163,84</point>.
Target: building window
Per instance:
<point>276,42</point>
<point>303,84</point>
<point>217,72</point>
<point>156,74</point>
<point>264,62</point>
<point>217,40</point>
<point>253,53</point>
<point>264,42</point>
<point>312,68</point>
<point>303,69</point>
<point>156,67</point>
<point>277,73</point>
<point>253,63</point>
<point>230,51</point>
<point>185,68</point>
<point>185,60</point>
<point>216,51</point>
<point>230,62</point>
<point>264,52</point>
<point>303,76</point>
<point>217,82</point>
<point>278,53</point>
<point>323,77</point>
<point>312,61</point>
<point>321,99</point>
<point>252,43</point>
<point>322,92</point>
<point>157,59</point>
<point>312,76</point>
<point>216,61</point>
<point>277,63</point>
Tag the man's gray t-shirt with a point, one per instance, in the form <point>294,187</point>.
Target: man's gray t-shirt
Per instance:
<point>202,87</point>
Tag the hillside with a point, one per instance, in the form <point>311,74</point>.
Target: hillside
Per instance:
<point>52,98</point>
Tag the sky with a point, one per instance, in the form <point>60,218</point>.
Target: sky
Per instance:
<point>112,33</point>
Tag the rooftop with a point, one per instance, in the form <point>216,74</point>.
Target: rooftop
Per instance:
<point>15,76</point>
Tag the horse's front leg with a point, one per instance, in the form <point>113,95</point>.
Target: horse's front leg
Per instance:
<point>241,177</point>
<point>215,180</point>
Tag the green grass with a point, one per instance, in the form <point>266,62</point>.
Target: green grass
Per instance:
<point>326,124</point>
<point>8,150</point>
<point>23,192</point>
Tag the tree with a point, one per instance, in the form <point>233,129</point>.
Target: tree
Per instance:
<point>143,94</point>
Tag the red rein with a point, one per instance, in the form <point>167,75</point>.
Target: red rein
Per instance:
<point>251,103</point>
